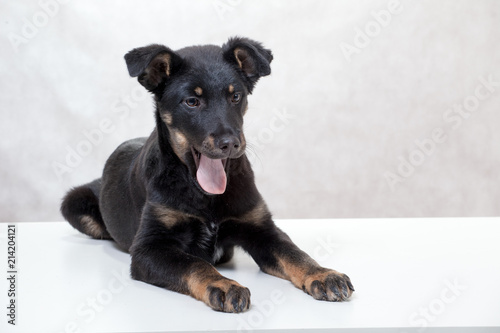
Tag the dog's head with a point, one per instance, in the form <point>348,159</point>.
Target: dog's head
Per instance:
<point>201,93</point>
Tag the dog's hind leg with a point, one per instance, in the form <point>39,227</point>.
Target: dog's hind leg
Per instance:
<point>80,207</point>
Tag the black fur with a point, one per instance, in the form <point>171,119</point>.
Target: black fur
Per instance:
<point>149,199</point>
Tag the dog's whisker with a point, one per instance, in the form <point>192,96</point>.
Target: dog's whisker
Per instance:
<point>254,153</point>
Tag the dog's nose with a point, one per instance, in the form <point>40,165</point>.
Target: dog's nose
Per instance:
<point>228,144</point>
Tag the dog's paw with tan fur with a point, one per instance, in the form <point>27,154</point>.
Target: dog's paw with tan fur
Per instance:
<point>328,285</point>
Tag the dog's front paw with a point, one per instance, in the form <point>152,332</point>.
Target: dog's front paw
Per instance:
<point>228,296</point>
<point>328,285</point>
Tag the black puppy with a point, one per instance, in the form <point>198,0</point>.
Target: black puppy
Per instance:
<point>180,200</point>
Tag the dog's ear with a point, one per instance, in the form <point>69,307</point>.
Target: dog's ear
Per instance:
<point>152,65</point>
<point>250,57</point>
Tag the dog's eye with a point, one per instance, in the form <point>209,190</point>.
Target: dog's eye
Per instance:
<point>192,102</point>
<point>236,98</point>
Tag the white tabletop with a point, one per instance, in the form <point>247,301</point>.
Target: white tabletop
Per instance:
<point>408,274</point>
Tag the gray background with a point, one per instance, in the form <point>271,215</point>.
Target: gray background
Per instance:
<point>325,129</point>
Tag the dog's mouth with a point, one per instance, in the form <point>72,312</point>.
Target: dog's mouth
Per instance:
<point>210,172</point>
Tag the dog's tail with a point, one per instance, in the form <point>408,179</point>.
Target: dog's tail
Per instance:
<point>80,207</point>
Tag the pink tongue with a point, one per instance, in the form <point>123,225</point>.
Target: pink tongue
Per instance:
<point>211,175</point>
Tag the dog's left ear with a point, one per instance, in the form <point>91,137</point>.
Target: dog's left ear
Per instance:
<point>250,57</point>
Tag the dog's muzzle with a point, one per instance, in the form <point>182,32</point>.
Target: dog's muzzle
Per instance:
<point>211,161</point>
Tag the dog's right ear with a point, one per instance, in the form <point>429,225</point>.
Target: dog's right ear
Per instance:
<point>152,65</point>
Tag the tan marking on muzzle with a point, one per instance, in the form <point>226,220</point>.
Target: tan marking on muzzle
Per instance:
<point>180,144</point>
<point>209,143</point>
<point>243,142</point>
<point>167,118</point>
